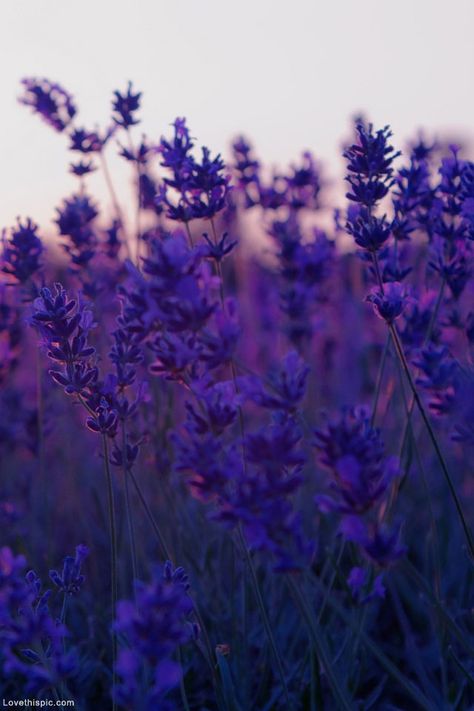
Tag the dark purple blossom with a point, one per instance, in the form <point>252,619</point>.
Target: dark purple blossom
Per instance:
<point>104,420</point>
<point>285,386</point>
<point>389,304</point>
<point>74,221</point>
<point>380,544</point>
<point>201,188</point>
<point>154,627</point>
<point>362,588</point>
<point>64,326</point>
<point>22,252</point>
<point>124,107</point>
<point>369,232</point>
<point>246,168</point>
<point>82,168</point>
<point>70,580</point>
<point>439,373</point>
<point>354,454</point>
<point>50,101</point>
<point>86,142</point>
<point>304,184</point>
<point>370,165</point>
<point>32,642</point>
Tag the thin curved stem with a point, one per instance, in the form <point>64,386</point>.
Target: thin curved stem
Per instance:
<point>139,205</point>
<point>164,549</point>
<point>113,551</point>
<point>380,375</point>
<point>429,332</point>
<point>417,400</point>
<point>265,618</point>
<point>113,197</point>
<point>434,441</point>
<point>128,508</point>
<point>190,236</point>
<point>338,690</point>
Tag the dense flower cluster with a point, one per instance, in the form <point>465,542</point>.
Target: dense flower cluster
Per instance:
<point>211,337</point>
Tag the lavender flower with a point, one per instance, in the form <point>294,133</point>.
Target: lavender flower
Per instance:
<point>370,165</point>
<point>353,452</point>
<point>154,628</point>
<point>70,580</point>
<point>439,373</point>
<point>64,326</point>
<point>369,232</point>
<point>22,253</point>
<point>124,107</point>
<point>86,142</point>
<point>201,187</point>
<point>363,589</point>
<point>74,221</point>
<point>246,168</point>
<point>286,386</point>
<point>82,168</point>
<point>31,641</point>
<point>389,304</point>
<point>50,101</point>
<point>380,544</point>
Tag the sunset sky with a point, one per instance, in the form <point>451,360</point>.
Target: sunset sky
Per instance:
<point>287,74</point>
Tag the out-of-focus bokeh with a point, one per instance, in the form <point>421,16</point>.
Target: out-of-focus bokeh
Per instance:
<point>287,74</point>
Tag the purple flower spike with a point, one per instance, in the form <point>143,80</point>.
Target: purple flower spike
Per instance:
<point>71,579</point>
<point>124,107</point>
<point>390,304</point>
<point>21,257</point>
<point>353,452</point>
<point>154,627</point>
<point>369,162</point>
<point>50,101</point>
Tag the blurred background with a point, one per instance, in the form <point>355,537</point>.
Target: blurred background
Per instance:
<point>289,75</point>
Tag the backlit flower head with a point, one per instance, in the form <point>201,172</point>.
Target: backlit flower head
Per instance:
<point>50,101</point>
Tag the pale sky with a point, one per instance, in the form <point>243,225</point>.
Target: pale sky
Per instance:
<point>287,73</point>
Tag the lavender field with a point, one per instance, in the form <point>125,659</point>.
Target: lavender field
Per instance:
<point>236,425</point>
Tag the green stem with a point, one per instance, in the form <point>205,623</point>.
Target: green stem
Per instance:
<point>450,622</point>
<point>432,436</point>
<point>401,355</point>
<point>182,686</point>
<point>164,549</point>
<point>113,551</point>
<point>113,196</point>
<point>128,508</point>
<point>188,232</point>
<point>322,653</point>
<point>265,618</point>
<point>429,332</point>
<point>166,555</point>
<point>378,386</point>
<point>433,526</point>
<point>138,209</point>
<point>462,667</point>
<point>384,661</point>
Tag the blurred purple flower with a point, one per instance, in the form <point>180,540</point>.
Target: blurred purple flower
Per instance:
<point>50,101</point>
<point>154,626</point>
<point>70,580</point>
<point>389,304</point>
<point>124,107</point>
